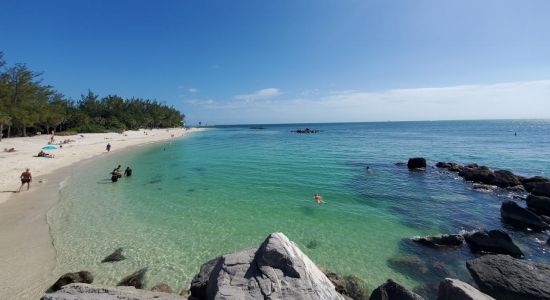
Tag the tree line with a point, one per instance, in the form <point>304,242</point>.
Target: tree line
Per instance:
<point>27,107</point>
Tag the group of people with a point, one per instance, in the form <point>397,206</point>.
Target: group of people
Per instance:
<point>116,173</point>
<point>44,154</point>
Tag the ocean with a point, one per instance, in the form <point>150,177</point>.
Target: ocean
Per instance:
<point>227,188</point>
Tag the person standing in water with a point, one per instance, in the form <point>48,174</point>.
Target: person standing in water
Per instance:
<point>26,178</point>
<point>108,148</point>
<point>318,198</point>
<point>128,172</point>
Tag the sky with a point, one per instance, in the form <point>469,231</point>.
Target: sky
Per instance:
<point>244,62</point>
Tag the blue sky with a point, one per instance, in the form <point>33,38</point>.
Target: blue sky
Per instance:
<point>227,62</point>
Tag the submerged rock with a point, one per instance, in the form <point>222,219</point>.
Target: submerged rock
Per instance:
<point>507,278</point>
<point>539,204</point>
<point>494,241</point>
<point>444,241</point>
<point>277,269</point>
<point>135,279</point>
<point>392,290</point>
<point>115,256</point>
<point>162,287</point>
<point>454,289</point>
<point>81,291</point>
<point>521,217</point>
<point>350,286</point>
<point>76,277</point>
<point>416,163</point>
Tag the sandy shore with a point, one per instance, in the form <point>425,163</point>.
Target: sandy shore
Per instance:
<point>27,255</point>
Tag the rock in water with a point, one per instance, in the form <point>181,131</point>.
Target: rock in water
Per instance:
<point>530,183</point>
<point>508,278</point>
<point>504,179</point>
<point>539,204</point>
<point>115,256</point>
<point>494,241</point>
<point>416,163</point>
<point>521,217</point>
<point>446,240</point>
<point>81,291</point>
<point>68,278</point>
<point>393,291</point>
<point>162,287</point>
<point>136,279</point>
<point>542,189</point>
<point>276,270</point>
<point>350,286</point>
<point>454,289</point>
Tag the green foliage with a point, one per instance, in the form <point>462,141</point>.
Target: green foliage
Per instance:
<point>26,105</point>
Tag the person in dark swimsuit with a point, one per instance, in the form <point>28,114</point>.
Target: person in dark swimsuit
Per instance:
<point>26,178</point>
<point>128,172</point>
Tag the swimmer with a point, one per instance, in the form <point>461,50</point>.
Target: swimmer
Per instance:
<point>318,198</point>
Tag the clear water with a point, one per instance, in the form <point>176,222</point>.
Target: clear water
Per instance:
<point>225,189</point>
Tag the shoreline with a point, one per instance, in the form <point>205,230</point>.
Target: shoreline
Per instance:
<point>27,252</point>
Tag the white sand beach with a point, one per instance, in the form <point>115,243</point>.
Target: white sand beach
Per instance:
<point>27,255</point>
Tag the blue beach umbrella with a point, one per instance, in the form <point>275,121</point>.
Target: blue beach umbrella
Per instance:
<point>50,147</point>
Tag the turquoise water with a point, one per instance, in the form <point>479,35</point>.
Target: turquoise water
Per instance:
<point>225,189</point>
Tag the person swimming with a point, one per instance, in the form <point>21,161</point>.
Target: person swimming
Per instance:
<point>318,198</point>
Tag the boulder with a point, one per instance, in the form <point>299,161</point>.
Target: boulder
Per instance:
<point>504,179</point>
<point>447,240</point>
<point>504,277</point>
<point>521,217</point>
<point>350,286</point>
<point>494,242</point>
<point>68,278</point>
<point>530,183</point>
<point>454,289</point>
<point>539,204</point>
<point>115,256</point>
<point>81,291</point>
<point>162,287</point>
<point>477,174</point>
<point>455,167</point>
<point>443,165</point>
<point>542,189</point>
<point>277,269</point>
<point>393,291</point>
<point>135,279</point>
<point>416,163</point>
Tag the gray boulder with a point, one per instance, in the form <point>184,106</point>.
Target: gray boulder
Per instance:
<point>508,278</point>
<point>115,256</point>
<point>494,242</point>
<point>454,289</point>
<point>68,278</point>
<point>135,279</point>
<point>278,269</point>
<point>80,291</point>
<point>539,204</point>
<point>444,241</point>
<point>521,217</point>
<point>391,290</point>
<point>416,163</point>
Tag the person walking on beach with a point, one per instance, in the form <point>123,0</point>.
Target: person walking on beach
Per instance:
<point>26,178</point>
<point>108,148</point>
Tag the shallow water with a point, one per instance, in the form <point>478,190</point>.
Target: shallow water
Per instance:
<point>224,189</point>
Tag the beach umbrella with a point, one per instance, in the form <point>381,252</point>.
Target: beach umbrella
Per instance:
<point>50,147</point>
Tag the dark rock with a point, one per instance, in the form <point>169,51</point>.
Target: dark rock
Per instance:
<point>408,264</point>
<point>521,217</point>
<point>68,278</point>
<point>504,179</point>
<point>507,278</point>
<point>472,166</point>
<point>443,165</point>
<point>200,281</point>
<point>477,174</point>
<point>277,269</point>
<point>162,287</point>
<point>393,291</point>
<point>494,242</point>
<point>530,183</point>
<point>454,289</point>
<point>427,290</point>
<point>539,204</point>
<point>542,189</point>
<point>136,279</point>
<point>455,167</point>
<point>350,286</point>
<point>451,240</point>
<point>548,242</point>
<point>312,244</point>
<point>517,188</point>
<point>115,256</point>
<point>416,163</point>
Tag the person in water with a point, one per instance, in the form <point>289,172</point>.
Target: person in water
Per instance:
<point>26,178</point>
<point>128,172</point>
<point>318,198</point>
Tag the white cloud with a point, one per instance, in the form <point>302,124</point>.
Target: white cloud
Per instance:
<point>193,90</point>
<point>527,99</point>
<point>260,94</point>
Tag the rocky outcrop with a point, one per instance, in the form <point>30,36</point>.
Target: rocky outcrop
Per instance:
<point>539,204</point>
<point>277,269</point>
<point>416,163</point>
<point>494,242</point>
<point>162,287</point>
<point>393,291</point>
<point>532,182</point>
<point>542,189</point>
<point>68,278</point>
<point>482,174</point>
<point>454,289</point>
<point>505,277</point>
<point>505,178</point>
<point>444,241</point>
<point>80,291</point>
<point>350,286</point>
<point>115,256</point>
<point>520,217</point>
<point>135,279</point>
